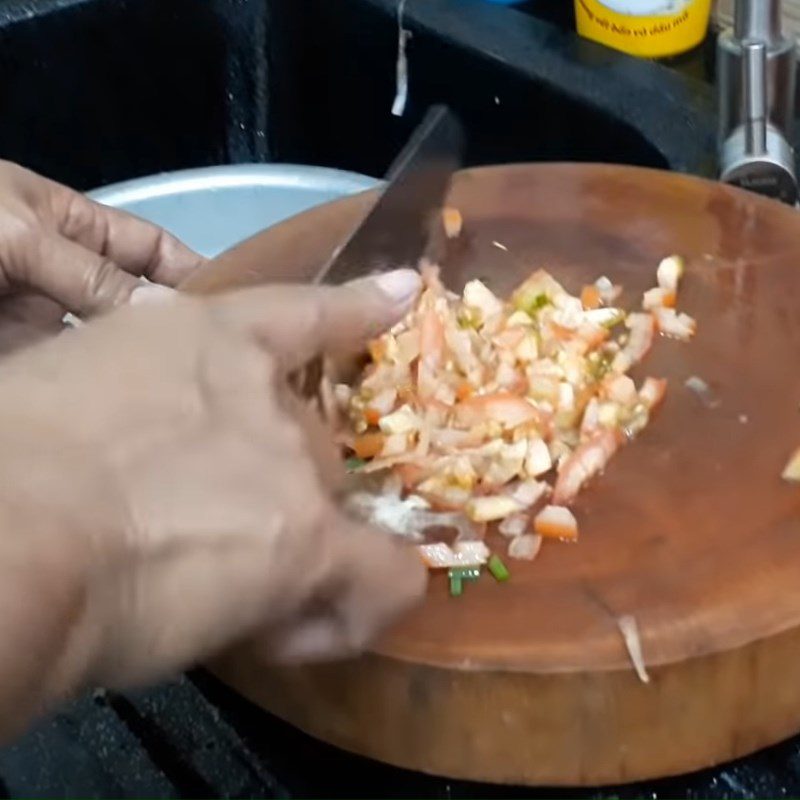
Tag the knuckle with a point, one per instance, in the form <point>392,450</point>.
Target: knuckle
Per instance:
<point>78,216</point>
<point>102,282</point>
<point>21,246</point>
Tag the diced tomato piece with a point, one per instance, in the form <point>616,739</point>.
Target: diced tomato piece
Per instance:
<point>508,409</point>
<point>368,445</point>
<point>510,338</point>
<point>587,461</point>
<point>377,349</point>
<point>556,522</point>
<point>590,297</point>
<point>464,391</point>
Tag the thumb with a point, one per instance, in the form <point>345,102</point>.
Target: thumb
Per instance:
<point>298,323</point>
<point>78,279</point>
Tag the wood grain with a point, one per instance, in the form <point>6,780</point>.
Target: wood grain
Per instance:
<point>690,530</point>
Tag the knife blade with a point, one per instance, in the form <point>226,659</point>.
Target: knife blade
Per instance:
<point>396,231</point>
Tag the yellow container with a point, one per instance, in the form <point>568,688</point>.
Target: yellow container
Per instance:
<point>647,28</point>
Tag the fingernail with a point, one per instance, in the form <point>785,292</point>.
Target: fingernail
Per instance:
<point>402,285</point>
<point>151,293</point>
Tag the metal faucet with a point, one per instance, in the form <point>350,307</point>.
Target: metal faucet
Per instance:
<point>756,68</point>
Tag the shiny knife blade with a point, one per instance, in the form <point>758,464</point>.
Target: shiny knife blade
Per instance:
<point>396,231</point>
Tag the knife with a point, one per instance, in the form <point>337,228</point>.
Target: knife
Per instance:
<point>396,231</point>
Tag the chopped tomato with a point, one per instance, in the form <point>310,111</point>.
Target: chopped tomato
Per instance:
<point>586,462</point>
<point>377,350</point>
<point>505,408</point>
<point>483,410</point>
<point>556,522</point>
<point>368,445</point>
<point>464,391</point>
<point>590,297</point>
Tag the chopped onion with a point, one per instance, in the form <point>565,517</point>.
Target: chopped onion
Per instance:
<point>471,400</point>
<point>528,493</point>
<point>652,392</point>
<point>658,298</point>
<point>606,317</point>
<point>519,318</point>
<point>791,472</point>
<point>633,643</point>
<point>493,507</point>
<point>471,552</point>
<point>477,296</point>
<point>621,389</point>
<point>608,291</point>
<point>514,525</point>
<point>384,401</point>
<point>677,326</point>
<point>537,460</point>
<point>669,273</point>
<point>408,346</point>
<point>408,518</point>
<point>463,554</point>
<point>394,445</point>
<point>556,522</point>
<point>703,391</point>
<point>404,420</point>
<point>437,555</point>
<point>525,547</point>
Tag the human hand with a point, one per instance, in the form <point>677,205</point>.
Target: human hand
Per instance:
<point>175,499</point>
<point>60,252</point>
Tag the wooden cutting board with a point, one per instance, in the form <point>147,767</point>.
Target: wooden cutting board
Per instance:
<point>690,530</point>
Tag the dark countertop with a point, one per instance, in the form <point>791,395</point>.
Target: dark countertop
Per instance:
<point>194,738</point>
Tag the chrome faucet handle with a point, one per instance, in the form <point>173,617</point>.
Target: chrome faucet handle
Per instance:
<point>756,68</point>
<point>754,77</point>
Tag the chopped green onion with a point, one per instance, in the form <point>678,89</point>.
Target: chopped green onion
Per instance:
<point>498,569</point>
<point>456,584</point>
<point>531,303</point>
<point>466,573</point>
<point>354,464</point>
<point>540,301</point>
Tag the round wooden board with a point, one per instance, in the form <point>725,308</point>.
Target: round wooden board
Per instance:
<point>691,529</point>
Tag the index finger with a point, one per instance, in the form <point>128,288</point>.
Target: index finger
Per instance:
<point>134,244</point>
